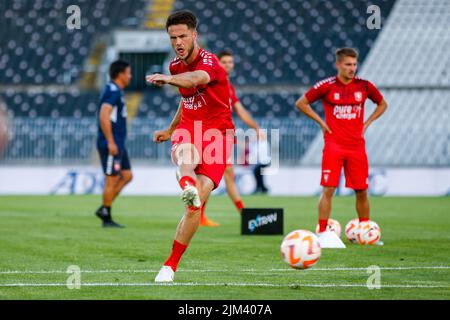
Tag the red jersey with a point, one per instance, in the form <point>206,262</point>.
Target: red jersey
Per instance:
<point>344,107</point>
<point>208,103</point>
<point>233,96</point>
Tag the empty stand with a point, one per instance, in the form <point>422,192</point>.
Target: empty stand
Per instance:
<point>413,47</point>
<point>278,41</point>
<point>37,48</point>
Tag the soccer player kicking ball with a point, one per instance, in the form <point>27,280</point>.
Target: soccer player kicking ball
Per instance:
<point>226,60</point>
<point>343,99</point>
<point>202,131</point>
<point>112,132</point>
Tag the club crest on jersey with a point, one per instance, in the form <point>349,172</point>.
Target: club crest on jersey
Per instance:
<point>336,96</point>
<point>358,96</point>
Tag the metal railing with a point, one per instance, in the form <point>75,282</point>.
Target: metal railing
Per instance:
<point>72,141</point>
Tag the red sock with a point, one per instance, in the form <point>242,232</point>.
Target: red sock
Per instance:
<point>363,219</point>
<point>202,216</point>
<point>186,181</point>
<point>177,251</point>
<point>323,225</point>
<point>239,205</point>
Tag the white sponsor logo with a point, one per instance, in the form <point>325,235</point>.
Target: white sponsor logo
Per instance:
<point>347,112</point>
<point>261,221</point>
<point>194,102</point>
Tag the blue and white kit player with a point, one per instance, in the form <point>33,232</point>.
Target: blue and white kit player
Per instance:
<point>112,132</point>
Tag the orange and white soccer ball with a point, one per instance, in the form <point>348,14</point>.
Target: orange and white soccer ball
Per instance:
<point>332,225</point>
<point>368,232</point>
<point>300,249</point>
<point>350,230</point>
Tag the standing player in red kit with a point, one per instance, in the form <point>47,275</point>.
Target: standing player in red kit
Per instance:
<point>202,131</point>
<point>343,99</point>
<point>226,60</point>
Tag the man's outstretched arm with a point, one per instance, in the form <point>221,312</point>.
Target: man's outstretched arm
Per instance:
<point>182,80</point>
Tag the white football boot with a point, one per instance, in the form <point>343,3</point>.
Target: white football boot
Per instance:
<point>166,274</point>
<point>329,239</point>
<point>190,197</point>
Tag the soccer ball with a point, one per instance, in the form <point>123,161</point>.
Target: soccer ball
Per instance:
<point>333,225</point>
<point>350,230</point>
<point>368,232</point>
<point>300,249</point>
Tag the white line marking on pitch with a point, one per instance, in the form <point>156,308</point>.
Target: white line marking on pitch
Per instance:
<point>228,270</point>
<point>196,284</point>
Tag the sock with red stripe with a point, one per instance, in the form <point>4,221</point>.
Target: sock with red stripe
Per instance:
<point>186,181</point>
<point>239,205</point>
<point>323,225</point>
<point>177,251</point>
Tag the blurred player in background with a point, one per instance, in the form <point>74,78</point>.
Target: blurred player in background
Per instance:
<point>112,132</point>
<point>260,156</point>
<point>227,61</point>
<point>343,99</point>
<point>3,127</point>
<point>204,107</point>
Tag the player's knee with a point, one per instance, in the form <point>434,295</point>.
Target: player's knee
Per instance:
<point>127,176</point>
<point>204,190</point>
<point>110,182</point>
<point>229,173</point>
<point>361,194</point>
<point>185,155</point>
<point>229,178</point>
<point>328,192</point>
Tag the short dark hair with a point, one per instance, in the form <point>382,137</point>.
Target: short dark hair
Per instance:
<point>225,53</point>
<point>182,17</point>
<point>341,53</point>
<point>117,67</point>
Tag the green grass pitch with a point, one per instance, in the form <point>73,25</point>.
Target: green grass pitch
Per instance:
<point>41,236</point>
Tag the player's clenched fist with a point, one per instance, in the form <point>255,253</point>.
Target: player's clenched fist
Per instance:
<point>161,136</point>
<point>158,79</point>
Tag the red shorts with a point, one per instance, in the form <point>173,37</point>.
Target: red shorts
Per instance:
<point>214,155</point>
<point>354,161</point>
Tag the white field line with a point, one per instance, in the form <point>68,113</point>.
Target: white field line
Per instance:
<point>222,284</point>
<point>6,272</point>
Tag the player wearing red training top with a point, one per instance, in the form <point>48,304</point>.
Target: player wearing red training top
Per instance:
<point>343,98</point>
<point>202,131</point>
<point>226,59</point>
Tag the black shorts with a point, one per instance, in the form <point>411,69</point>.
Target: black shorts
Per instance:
<point>112,165</point>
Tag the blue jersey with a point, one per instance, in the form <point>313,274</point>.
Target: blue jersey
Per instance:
<point>113,96</point>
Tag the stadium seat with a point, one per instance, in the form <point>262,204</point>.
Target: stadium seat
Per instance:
<point>412,49</point>
<point>289,42</point>
<point>36,46</point>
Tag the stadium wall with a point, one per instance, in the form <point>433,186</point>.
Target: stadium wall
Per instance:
<point>289,181</point>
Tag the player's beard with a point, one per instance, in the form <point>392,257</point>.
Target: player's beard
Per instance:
<point>347,76</point>
<point>189,54</point>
